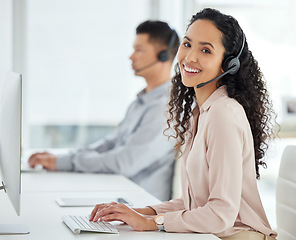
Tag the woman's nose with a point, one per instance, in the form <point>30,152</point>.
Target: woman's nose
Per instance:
<point>191,56</point>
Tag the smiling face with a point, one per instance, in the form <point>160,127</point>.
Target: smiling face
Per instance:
<point>201,53</point>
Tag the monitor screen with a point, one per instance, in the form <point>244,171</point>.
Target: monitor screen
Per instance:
<point>10,140</point>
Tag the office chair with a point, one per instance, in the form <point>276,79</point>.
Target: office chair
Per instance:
<point>286,195</point>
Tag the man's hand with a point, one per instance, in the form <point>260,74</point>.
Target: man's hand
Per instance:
<point>47,160</point>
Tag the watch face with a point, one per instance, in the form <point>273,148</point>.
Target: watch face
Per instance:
<point>159,219</point>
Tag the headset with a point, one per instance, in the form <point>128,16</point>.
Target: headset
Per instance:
<point>164,55</point>
<point>230,65</point>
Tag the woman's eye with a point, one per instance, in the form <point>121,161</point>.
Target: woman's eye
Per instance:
<point>206,50</point>
<point>186,44</point>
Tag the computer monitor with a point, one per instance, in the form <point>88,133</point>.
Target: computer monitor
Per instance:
<point>10,146</point>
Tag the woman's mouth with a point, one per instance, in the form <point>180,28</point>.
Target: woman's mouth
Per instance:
<point>190,71</point>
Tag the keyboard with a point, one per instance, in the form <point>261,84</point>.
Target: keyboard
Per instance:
<point>82,223</point>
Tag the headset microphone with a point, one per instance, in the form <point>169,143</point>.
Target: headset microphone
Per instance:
<point>205,83</point>
<point>230,65</point>
<point>147,66</point>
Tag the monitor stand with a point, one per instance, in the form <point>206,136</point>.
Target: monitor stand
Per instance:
<point>12,229</point>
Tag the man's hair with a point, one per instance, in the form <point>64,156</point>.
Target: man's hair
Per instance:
<point>160,33</point>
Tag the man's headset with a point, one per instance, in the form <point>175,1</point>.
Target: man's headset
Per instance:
<point>230,65</point>
<point>164,55</point>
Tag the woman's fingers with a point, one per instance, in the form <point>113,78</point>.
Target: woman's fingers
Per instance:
<point>99,208</point>
<point>94,211</point>
<point>123,213</point>
<point>118,208</point>
<point>112,217</point>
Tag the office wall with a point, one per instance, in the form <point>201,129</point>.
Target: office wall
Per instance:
<point>77,67</point>
<point>5,39</point>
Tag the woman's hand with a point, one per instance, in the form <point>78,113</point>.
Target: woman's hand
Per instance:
<point>121,212</point>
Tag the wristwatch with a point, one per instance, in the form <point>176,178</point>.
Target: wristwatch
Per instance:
<point>159,220</point>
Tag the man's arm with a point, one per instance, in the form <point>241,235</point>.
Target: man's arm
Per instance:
<point>144,147</point>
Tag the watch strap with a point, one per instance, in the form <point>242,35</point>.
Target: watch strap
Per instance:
<point>160,227</point>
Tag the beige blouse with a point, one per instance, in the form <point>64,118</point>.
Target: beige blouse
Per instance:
<point>219,188</point>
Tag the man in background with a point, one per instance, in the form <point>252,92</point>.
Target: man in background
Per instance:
<point>137,148</point>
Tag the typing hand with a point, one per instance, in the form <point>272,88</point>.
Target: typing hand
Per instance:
<point>121,212</point>
<point>45,159</point>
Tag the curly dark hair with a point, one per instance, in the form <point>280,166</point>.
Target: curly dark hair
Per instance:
<point>247,86</point>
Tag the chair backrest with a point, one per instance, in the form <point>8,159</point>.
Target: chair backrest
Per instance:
<point>286,195</point>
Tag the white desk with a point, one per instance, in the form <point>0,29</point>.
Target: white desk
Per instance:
<point>43,216</point>
<point>47,181</point>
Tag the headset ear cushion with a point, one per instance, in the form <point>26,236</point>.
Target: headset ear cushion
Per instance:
<point>231,64</point>
<point>226,63</point>
<point>163,56</point>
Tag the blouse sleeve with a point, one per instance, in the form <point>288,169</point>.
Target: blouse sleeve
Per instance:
<point>169,206</point>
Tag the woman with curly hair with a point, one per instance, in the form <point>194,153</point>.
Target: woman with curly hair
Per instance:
<point>220,110</point>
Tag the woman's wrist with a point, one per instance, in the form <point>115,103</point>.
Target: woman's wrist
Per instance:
<point>150,224</point>
<point>145,211</point>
